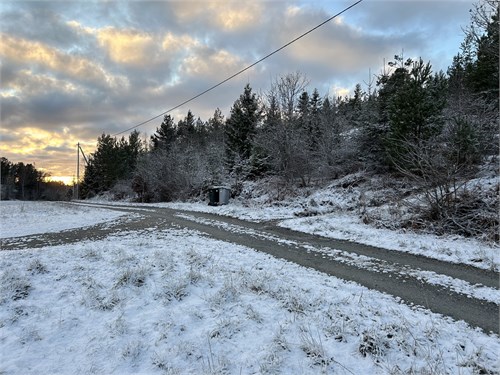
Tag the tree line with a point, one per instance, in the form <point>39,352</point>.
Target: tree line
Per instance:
<point>24,182</point>
<point>434,128</point>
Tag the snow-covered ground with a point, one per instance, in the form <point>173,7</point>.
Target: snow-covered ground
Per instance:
<point>176,302</point>
<point>345,223</point>
<point>453,249</point>
<point>18,218</point>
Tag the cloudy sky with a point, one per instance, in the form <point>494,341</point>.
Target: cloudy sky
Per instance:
<point>72,70</point>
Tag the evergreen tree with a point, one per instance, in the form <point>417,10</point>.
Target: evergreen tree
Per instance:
<point>201,132</point>
<point>214,148</point>
<point>328,113</point>
<point>356,101</point>
<point>27,181</point>
<point>389,84</point>
<point>104,168</point>
<point>6,179</point>
<point>215,125</point>
<point>457,77</point>
<point>303,110</point>
<point>484,77</point>
<point>186,128</point>
<point>314,120</point>
<point>410,104</point>
<point>303,121</point>
<point>131,152</point>
<point>165,135</point>
<point>416,105</point>
<point>241,128</point>
<point>309,119</point>
<point>90,185</point>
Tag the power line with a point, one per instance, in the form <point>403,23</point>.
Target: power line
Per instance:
<point>241,71</point>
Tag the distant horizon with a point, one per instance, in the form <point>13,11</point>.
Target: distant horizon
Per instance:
<point>66,180</point>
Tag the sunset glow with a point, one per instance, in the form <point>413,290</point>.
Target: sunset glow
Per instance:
<point>67,180</point>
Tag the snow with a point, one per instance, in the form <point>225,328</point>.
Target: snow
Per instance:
<point>369,263</point>
<point>339,210</point>
<point>177,302</point>
<point>452,249</point>
<point>346,224</point>
<point>19,218</point>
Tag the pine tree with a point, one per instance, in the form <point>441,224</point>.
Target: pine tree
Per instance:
<point>411,102</point>
<point>356,101</point>
<point>303,110</point>
<point>26,181</point>
<point>272,117</point>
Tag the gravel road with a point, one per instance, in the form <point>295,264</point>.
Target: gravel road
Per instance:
<point>392,272</point>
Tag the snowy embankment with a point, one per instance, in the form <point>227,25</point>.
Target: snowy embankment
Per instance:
<point>174,301</point>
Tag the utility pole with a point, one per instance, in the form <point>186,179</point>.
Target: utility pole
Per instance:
<point>77,184</point>
<point>77,192</point>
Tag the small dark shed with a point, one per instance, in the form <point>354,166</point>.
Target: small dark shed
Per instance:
<point>218,195</point>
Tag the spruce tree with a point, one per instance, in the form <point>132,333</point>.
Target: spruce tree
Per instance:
<point>314,120</point>
<point>241,128</point>
<point>104,168</point>
<point>186,128</point>
<point>485,76</point>
<point>165,135</point>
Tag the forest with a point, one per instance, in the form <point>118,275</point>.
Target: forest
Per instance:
<point>24,182</point>
<point>432,129</point>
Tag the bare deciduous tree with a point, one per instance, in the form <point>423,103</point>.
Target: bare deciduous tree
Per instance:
<point>288,87</point>
<point>450,202</point>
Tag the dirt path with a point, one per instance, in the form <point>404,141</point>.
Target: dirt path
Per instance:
<point>392,272</point>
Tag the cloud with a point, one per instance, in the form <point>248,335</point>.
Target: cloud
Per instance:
<point>41,56</point>
<point>397,15</point>
<point>30,139</point>
<point>64,149</point>
<point>50,150</point>
<point>37,21</point>
<point>225,15</point>
<point>212,64</point>
<point>127,46</point>
<point>173,43</point>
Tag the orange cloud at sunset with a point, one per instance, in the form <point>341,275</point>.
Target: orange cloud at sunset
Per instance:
<point>127,46</point>
<point>22,51</point>
<point>231,16</point>
<point>52,152</point>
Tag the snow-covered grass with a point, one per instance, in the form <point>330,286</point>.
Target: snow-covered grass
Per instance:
<point>21,218</point>
<point>364,262</point>
<point>176,302</point>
